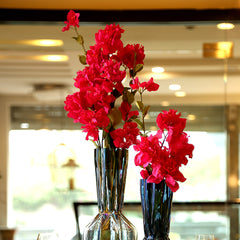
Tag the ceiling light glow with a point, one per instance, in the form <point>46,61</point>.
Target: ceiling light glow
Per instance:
<point>174,87</point>
<point>52,58</point>
<point>24,125</point>
<point>225,26</point>
<point>180,94</point>
<point>158,70</point>
<point>43,42</point>
<point>191,117</point>
<point>165,103</point>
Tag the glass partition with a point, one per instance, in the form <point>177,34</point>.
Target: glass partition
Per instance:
<point>187,220</point>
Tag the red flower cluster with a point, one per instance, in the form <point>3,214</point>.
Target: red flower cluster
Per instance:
<point>161,155</point>
<point>100,84</point>
<point>126,136</point>
<point>149,86</point>
<point>72,20</point>
<point>132,55</point>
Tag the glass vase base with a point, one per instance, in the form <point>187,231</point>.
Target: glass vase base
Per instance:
<point>110,226</point>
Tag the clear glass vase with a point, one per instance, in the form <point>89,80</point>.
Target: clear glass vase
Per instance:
<point>156,200</point>
<point>110,223</point>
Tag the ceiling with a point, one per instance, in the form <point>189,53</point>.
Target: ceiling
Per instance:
<point>123,4</point>
<point>172,37</point>
<point>176,47</point>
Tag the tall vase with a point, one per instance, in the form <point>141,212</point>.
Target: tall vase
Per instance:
<point>110,223</point>
<point>156,200</point>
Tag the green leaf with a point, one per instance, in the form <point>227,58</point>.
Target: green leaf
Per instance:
<point>145,110</point>
<point>80,39</point>
<point>115,116</point>
<point>145,134</point>
<point>139,105</point>
<point>82,59</point>
<point>128,97</point>
<point>140,124</point>
<point>138,68</point>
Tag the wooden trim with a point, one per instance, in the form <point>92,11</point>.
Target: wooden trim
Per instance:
<point>143,16</point>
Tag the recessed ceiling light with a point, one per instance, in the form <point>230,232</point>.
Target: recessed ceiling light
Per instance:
<point>35,42</point>
<point>165,103</point>
<point>157,69</point>
<point>52,58</point>
<point>191,117</point>
<point>157,76</point>
<point>174,87</point>
<point>225,26</point>
<point>43,42</point>
<point>24,125</point>
<point>180,94</point>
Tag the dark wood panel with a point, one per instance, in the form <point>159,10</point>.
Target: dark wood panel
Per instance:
<point>147,16</point>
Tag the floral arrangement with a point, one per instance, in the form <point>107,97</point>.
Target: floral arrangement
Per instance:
<point>161,155</point>
<point>103,105</point>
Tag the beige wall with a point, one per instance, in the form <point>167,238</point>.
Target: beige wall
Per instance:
<point>4,128</point>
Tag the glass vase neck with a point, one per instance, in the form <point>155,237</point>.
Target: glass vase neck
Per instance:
<point>105,140</point>
<point>110,169</point>
<point>110,223</point>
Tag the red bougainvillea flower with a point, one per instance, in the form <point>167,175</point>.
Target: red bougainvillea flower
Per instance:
<point>179,148</point>
<point>73,104</point>
<point>126,111</point>
<point>72,20</point>
<point>111,70</point>
<point>100,85</point>
<point>93,83</point>
<point>149,148</point>
<point>78,109</point>
<point>149,85</point>
<point>95,55</point>
<point>144,174</point>
<point>109,39</point>
<point>166,168</point>
<point>135,85</point>
<point>161,155</point>
<point>93,121</point>
<point>126,136</point>
<point>131,55</point>
<point>171,120</point>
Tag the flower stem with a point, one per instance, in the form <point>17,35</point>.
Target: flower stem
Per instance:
<point>143,121</point>
<point>82,44</point>
<point>165,137</point>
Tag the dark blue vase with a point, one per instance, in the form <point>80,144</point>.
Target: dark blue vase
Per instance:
<point>156,202</point>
